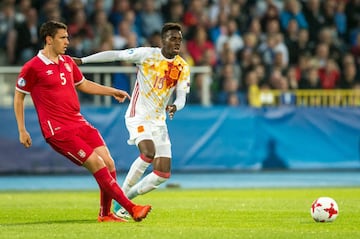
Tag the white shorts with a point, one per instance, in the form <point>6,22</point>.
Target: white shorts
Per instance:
<point>141,130</point>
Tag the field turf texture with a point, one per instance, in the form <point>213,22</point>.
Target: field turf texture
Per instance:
<point>181,213</point>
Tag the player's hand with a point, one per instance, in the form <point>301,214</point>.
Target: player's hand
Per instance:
<point>121,96</point>
<point>77,60</point>
<point>171,109</point>
<point>25,138</point>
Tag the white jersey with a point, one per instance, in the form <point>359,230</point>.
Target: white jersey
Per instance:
<point>156,80</point>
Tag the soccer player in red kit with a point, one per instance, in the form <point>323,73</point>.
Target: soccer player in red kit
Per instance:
<point>51,78</point>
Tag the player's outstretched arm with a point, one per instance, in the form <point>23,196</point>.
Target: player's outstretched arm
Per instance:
<point>93,88</point>
<point>104,56</point>
<point>24,136</point>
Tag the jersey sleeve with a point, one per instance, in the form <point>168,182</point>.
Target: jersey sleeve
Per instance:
<point>133,55</point>
<point>184,83</point>
<point>26,79</point>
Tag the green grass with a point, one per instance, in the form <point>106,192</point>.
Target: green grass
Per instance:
<point>177,213</point>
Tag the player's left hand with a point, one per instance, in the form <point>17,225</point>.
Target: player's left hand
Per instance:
<point>121,95</point>
<point>171,109</point>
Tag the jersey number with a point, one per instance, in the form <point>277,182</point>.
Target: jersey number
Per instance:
<point>159,83</point>
<point>63,79</point>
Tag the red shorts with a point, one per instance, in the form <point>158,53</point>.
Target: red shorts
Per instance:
<point>77,144</point>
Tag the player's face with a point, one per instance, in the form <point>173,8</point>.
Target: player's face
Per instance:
<point>60,42</point>
<point>171,43</point>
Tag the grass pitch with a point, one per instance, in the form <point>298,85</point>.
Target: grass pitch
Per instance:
<point>178,213</point>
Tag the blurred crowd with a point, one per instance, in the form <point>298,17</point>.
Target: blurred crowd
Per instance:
<point>250,45</point>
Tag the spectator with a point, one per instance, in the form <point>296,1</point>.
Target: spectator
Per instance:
<point>103,32</point>
<point>149,19</point>
<point>322,54</point>
<point>340,19</point>
<point>195,15</point>
<point>252,89</point>
<point>292,78</point>
<point>173,11</point>
<point>216,9</point>
<point>329,37</point>
<point>281,47</point>
<point>199,44</point>
<point>230,35</point>
<point>350,77</point>
<point>95,6</point>
<point>239,14</point>
<point>267,50</point>
<point>230,87</point>
<point>263,6</point>
<point>329,75</point>
<point>314,17</point>
<point>27,42</point>
<point>123,32</point>
<point>304,45</point>
<point>120,7</point>
<point>352,11</point>
<point>220,28</point>
<point>50,10</point>
<point>355,50</point>
<point>292,10</point>
<point>79,26</point>
<point>271,13</point>
<point>7,24</point>
<point>311,79</point>
<point>291,41</point>
<point>228,57</point>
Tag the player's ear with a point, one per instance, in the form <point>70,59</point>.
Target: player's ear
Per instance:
<point>48,40</point>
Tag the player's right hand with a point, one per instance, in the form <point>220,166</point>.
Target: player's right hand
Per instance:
<point>25,139</point>
<point>77,60</point>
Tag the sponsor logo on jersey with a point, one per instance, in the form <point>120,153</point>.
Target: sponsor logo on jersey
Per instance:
<point>67,66</point>
<point>81,153</point>
<point>49,72</point>
<point>21,82</point>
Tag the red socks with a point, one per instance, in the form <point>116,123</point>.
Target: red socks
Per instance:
<point>111,190</point>
<point>105,200</point>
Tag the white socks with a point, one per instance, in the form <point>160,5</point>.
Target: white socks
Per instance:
<point>136,171</point>
<point>147,184</point>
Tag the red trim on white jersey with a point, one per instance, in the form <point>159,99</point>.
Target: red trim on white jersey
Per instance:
<point>135,98</point>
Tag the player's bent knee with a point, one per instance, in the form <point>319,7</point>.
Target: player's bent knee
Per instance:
<point>146,158</point>
<point>164,175</point>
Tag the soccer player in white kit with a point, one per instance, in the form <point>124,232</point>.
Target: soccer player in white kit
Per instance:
<point>161,71</point>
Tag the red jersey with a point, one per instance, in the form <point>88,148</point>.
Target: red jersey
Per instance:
<point>52,89</point>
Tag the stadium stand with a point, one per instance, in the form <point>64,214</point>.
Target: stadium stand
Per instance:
<point>300,52</point>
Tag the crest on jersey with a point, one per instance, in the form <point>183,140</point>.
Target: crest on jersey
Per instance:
<point>81,153</point>
<point>21,82</point>
<point>67,66</point>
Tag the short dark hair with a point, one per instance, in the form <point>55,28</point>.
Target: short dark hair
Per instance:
<point>170,26</point>
<point>50,28</point>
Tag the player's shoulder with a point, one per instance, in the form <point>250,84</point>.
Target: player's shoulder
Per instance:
<point>148,50</point>
<point>33,63</point>
<point>67,58</point>
<point>181,61</point>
